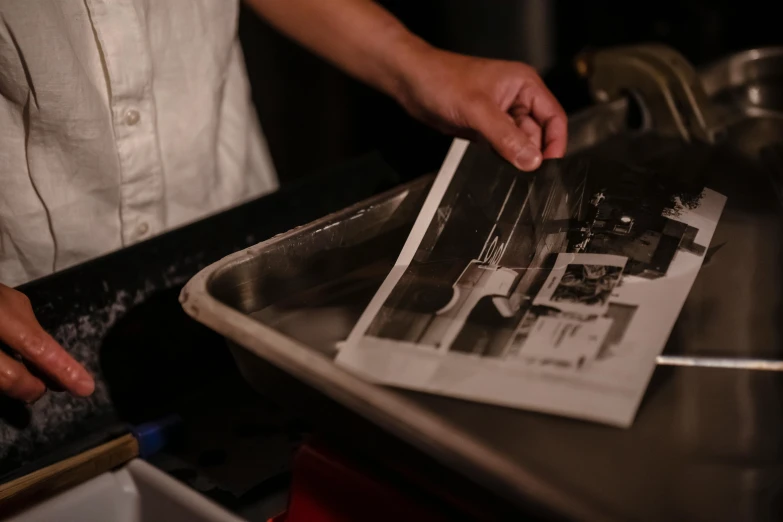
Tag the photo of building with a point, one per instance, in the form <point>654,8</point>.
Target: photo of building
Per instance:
<point>495,237</point>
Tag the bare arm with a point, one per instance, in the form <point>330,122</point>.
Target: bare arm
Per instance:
<point>505,103</point>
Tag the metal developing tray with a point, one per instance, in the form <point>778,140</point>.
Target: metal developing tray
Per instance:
<point>706,444</point>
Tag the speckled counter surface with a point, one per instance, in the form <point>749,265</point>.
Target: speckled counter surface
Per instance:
<point>119,315</point>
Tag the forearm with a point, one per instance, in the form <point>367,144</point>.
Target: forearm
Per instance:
<point>359,36</point>
<point>504,102</point>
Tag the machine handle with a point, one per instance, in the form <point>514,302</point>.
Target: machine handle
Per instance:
<point>661,80</point>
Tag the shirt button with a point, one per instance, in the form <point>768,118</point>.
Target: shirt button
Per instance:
<point>132,117</point>
<point>142,229</point>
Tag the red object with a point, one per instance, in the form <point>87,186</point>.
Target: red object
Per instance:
<point>328,488</point>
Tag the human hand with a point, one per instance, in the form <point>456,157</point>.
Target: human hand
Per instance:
<point>20,331</point>
<point>506,103</point>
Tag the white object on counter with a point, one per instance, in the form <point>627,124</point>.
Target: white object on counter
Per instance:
<point>138,492</point>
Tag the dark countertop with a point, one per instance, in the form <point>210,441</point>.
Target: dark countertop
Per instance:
<point>120,316</point>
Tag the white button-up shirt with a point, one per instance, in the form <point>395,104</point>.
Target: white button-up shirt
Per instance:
<point>119,119</point>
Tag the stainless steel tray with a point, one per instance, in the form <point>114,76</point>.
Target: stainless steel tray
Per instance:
<point>707,443</point>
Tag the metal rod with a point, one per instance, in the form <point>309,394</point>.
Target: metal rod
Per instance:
<point>721,362</point>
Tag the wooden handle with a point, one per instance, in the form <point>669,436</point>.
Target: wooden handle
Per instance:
<point>45,482</point>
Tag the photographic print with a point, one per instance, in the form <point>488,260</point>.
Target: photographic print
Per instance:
<point>546,290</point>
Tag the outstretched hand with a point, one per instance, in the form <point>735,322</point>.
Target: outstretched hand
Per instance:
<point>505,103</point>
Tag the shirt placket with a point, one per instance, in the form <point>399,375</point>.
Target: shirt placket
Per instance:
<point>126,54</point>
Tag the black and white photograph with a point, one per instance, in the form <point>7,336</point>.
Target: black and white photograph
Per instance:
<point>505,269</point>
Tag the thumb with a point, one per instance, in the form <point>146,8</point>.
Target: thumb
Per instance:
<point>506,138</point>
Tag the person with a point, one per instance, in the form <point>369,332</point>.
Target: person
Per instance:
<point>120,119</point>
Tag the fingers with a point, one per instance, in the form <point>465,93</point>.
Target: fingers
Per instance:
<point>549,114</point>
<point>17,382</point>
<point>20,330</point>
<point>38,347</point>
<point>555,137</point>
<point>530,127</point>
<point>506,138</point>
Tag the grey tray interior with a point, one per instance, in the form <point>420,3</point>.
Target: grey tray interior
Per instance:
<point>707,442</point>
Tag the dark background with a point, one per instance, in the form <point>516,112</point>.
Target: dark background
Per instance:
<point>315,117</point>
